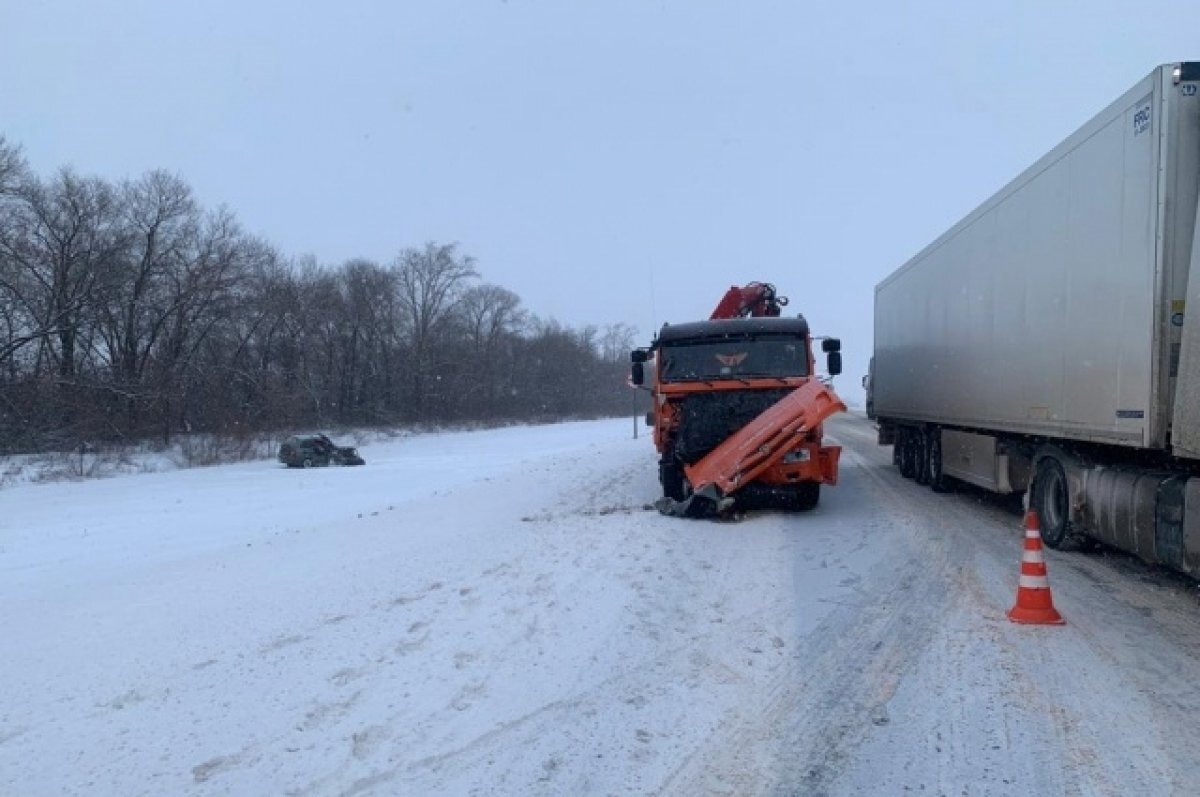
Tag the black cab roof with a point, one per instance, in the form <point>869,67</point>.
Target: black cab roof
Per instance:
<point>732,328</point>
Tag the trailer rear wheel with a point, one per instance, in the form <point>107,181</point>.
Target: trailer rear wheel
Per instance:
<point>1051,499</point>
<point>920,444</point>
<point>933,462</point>
<point>908,455</point>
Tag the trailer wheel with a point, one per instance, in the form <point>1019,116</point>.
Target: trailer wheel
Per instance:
<point>908,458</point>
<point>933,462</point>
<point>1051,499</point>
<point>920,444</point>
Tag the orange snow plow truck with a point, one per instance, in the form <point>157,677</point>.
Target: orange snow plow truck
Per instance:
<point>738,408</point>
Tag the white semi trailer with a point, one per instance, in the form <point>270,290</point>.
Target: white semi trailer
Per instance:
<point>1050,341</point>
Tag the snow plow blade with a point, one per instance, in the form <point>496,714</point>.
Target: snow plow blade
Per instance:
<point>754,448</point>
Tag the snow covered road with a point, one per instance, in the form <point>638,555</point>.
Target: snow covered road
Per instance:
<point>497,613</point>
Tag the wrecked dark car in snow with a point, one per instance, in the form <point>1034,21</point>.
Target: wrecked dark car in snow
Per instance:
<point>316,450</point>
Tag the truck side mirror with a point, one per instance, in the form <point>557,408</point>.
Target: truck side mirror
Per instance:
<point>833,361</point>
<point>830,345</point>
<point>638,376</point>
<point>638,356</point>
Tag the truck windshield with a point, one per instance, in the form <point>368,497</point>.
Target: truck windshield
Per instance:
<point>734,359</point>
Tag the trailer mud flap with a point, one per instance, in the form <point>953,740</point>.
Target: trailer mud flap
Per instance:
<point>1191,527</point>
<point>1185,422</point>
<point>1168,522</point>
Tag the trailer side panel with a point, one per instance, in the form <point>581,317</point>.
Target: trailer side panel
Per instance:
<point>1037,313</point>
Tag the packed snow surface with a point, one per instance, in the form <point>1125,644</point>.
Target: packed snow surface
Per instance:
<point>498,612</point>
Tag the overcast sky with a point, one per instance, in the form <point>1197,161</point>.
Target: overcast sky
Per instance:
<point>608,161</point>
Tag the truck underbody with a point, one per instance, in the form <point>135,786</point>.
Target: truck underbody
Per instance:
<point>1144,502</point>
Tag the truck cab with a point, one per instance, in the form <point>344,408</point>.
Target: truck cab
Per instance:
<point>711,379</point>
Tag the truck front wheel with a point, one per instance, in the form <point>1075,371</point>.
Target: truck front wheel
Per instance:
<point>806,496</point>
<point>670,475</point>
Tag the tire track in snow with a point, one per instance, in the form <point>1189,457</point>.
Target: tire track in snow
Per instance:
<point>835,687</point>
<point>669,616</point>
<point>1079,713</point>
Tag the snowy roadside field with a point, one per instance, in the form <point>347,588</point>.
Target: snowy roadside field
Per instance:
<point>250,629</point>
<point>495,612</point>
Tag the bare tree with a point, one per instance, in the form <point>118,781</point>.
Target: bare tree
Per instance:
<point>616,341</point>
<point>136,303</point>
<point>19,327</point>
<point>127,309</point>
<point>13,168</point>
<point>430,282</point>
<point>67,234</point>
<point>201,294</point>
<point>491,315</point>
<point>368,324</point>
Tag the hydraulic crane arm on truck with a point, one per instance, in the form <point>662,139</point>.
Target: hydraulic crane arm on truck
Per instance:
<point>737,407</point>
<point>756,299</point>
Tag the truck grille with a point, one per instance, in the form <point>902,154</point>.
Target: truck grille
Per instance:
<point>708,419</point>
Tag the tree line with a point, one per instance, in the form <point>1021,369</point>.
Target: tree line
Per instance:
<point>128,310</point>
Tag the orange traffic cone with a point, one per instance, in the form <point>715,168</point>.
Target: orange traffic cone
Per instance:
<point>1034,603</point>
